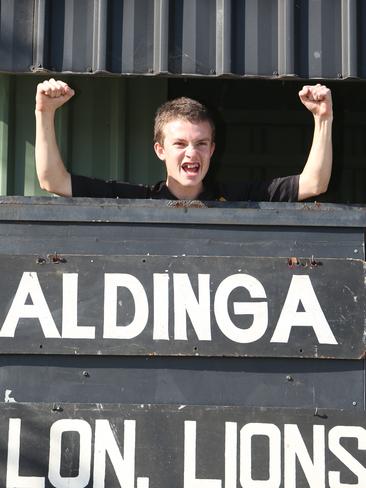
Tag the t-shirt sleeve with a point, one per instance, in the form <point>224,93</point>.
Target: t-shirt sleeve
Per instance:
<point>285,189</point>
<point>83,186</point>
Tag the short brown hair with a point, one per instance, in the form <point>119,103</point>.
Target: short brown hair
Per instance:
<point>181,108</point>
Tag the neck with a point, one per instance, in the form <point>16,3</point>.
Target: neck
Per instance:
<point>184,192</point>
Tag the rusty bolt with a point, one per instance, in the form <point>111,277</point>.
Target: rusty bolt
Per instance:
<point>56,258</point>
<point>289,378</point>
<point>86,374</point>
<point>293,261</point>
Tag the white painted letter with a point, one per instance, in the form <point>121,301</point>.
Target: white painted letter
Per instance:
<point>54,473</point>
<point>12,471</point>
<point>259,310</point>
<point>190,480</point>
<point>105,442</point>
<point>231,454</point>
<point>29,285</point>
<point>70,328</point>
<point>138,323</point>
<point>161,307</point>
<point>295,448</point>
<point>335,435</point>
<point>185,302</point>
<point>274,455</point>
<point>301,290</point>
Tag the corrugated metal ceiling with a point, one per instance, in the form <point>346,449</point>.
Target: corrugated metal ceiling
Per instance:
<point>269,38</point>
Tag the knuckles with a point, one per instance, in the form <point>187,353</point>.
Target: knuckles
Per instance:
<point>315,93</point>
<point>54,89</point>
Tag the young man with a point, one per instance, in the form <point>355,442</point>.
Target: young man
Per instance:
<point>184,139</point>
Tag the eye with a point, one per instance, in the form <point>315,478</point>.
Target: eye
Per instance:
<point>179,144</point>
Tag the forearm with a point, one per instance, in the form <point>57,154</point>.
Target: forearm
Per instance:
<point>51,172</point>
<point>316,174</point>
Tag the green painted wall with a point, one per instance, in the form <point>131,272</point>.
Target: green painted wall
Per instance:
<point>104,131</point>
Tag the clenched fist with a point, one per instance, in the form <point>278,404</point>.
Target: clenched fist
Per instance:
<point>52,94</point>
<point>318,100</point>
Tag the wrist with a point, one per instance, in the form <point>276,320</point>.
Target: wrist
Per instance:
<point>44,113</point>
<point>323,118</point>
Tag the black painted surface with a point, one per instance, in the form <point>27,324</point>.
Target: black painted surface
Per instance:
<point>304,392</point>
<point>305,308</point>
<point>165,446</point>
<point>155,239</point>
<point>294,383</point>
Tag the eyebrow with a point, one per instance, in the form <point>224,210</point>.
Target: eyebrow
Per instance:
<point>204,139</point>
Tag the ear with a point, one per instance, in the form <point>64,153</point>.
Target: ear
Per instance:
<point>213,145</point>
<point>159,150</point>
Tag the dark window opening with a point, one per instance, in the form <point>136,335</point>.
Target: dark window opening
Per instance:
<point>264,131</point>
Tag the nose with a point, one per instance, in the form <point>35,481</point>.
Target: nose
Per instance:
<point>190,150</point>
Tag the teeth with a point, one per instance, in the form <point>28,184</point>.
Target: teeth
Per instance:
<point>191,165</point>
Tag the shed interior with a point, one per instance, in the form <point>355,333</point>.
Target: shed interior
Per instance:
<point>263,130</point>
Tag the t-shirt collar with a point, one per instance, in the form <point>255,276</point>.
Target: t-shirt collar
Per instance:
<point>166,194</point>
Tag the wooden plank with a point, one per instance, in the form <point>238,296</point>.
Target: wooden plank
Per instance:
<point>187,380</point>
<point>146,446</point>
<point>51,209</point>
<point>182,305</point>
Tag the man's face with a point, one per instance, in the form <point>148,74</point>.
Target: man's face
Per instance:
<point>186,151</point>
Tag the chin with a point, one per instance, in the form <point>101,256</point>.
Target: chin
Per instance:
<point>193,181</point>
<point>191,185</point>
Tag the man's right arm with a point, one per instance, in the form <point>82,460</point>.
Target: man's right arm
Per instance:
<point>51,171</point>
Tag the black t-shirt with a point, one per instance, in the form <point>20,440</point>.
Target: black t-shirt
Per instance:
<point>284,189</point>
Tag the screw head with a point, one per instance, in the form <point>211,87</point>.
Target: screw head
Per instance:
<point>57,408</point>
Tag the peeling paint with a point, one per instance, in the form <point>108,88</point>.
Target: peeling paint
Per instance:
<point>8,398</point>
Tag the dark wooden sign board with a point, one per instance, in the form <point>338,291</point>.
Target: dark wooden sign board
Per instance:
<point>180,305</point>
<point>161,446</point>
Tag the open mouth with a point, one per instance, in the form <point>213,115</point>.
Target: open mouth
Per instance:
<point>191,168</point>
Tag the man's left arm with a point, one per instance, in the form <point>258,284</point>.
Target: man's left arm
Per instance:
<point>316,174</point>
